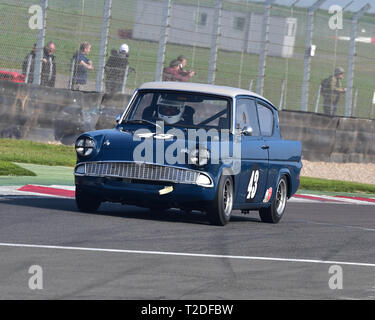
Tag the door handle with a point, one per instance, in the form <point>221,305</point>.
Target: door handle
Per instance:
<point>264,147</point>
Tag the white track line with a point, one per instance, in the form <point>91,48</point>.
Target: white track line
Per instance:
<point>13,192</point>
<point>72,188</point>
<point>332,199</point>
<point>182,254</point>
<point>302,200</point>
<point>347,200</point>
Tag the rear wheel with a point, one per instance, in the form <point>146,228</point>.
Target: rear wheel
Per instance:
<point>275,211</point>
<point>86,202</point>
<point>220,210</point>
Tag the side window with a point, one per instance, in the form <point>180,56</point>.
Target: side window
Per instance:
<point>265,120</point>
<point>247,115</point>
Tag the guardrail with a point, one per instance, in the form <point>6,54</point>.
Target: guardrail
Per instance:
<point>328,138</point>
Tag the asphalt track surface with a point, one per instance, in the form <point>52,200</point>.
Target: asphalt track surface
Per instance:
<point>124,252</point>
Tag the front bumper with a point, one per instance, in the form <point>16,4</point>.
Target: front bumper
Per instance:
<point>145,184</point>
<point>144,171</point>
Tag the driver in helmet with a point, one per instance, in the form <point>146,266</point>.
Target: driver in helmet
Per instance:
<point>170,111</point>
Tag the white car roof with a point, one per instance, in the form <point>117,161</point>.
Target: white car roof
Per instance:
<point>200,87</point>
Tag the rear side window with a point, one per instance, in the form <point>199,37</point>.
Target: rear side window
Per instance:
<point>265,120</point>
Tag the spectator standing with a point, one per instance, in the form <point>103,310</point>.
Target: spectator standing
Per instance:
<point>48,75</point>
<point>173,72</point>
<point>331,90</point>
<point>81,65</point>
<point>115,69</point>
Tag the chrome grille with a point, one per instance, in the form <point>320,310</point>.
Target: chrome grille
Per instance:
<point>141,171</point>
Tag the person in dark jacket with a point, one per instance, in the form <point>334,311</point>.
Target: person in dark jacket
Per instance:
<point>331,90</point>
<point>48,75</point>
<point>115,69</point>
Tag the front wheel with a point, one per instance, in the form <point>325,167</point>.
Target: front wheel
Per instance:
<point>86,202</point>
<point>275,211</point>
<point>220,210</point>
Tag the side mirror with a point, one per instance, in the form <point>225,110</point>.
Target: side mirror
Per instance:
<point>247,131</point>
<point>118,118</point>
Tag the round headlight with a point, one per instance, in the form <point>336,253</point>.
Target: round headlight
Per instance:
<point>85,146</point>
<point>199,157</point>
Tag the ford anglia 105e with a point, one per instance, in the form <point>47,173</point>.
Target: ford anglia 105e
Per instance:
<point>194,147</point>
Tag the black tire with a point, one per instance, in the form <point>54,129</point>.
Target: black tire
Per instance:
<point>220,210</point>
<point>86,202</point>
<point>275,211</point>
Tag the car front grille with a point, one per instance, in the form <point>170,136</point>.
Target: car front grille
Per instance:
<point>141,171</point>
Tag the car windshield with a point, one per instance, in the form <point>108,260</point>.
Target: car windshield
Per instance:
<point>180,109</point>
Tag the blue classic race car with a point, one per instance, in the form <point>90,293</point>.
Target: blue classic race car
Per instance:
<point>194,147</point>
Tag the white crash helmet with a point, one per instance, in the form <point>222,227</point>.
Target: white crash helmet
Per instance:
<point>170,111</point>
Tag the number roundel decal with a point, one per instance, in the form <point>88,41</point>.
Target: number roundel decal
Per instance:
<point>253,185</point>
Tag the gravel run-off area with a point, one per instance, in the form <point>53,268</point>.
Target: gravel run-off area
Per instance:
<point>356,172</point>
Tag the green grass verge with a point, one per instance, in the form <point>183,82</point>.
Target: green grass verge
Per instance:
<point>45,175</point>
<point>23,151</point>
<point>11,169</point>
<point>316,184</point>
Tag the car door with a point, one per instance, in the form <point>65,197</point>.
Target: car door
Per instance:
<point>254,155</point>
<point>279,155</point>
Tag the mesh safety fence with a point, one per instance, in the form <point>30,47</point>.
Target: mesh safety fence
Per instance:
<point>221,41</point>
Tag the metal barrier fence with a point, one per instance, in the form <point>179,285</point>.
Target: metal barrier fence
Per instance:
<point>282,52</point>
